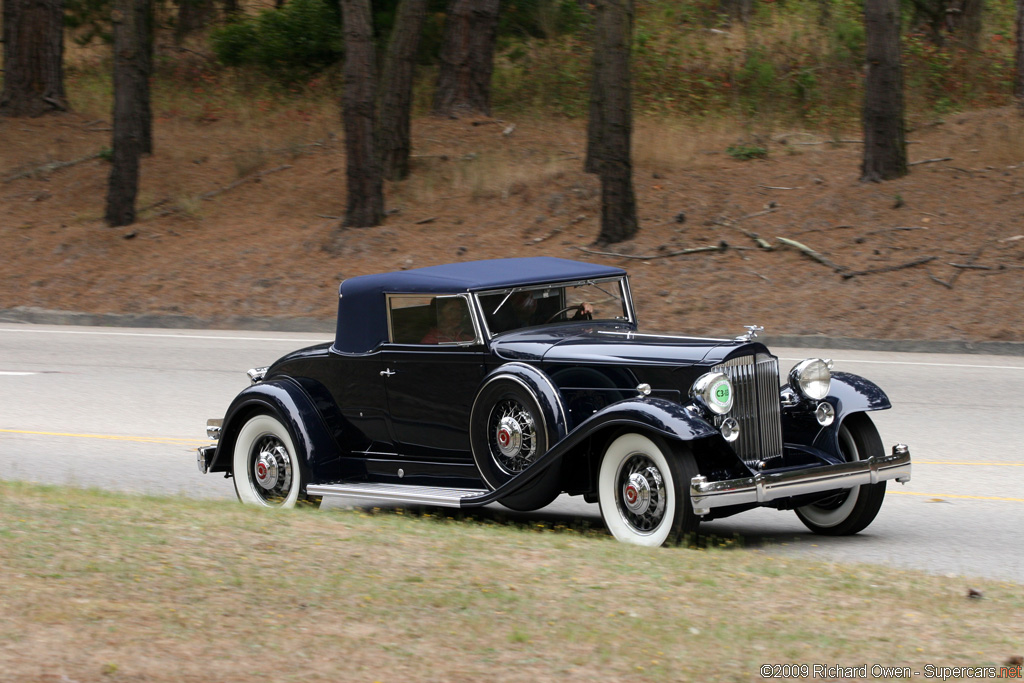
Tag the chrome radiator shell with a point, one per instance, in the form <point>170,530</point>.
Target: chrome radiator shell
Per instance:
<point>755,381</point>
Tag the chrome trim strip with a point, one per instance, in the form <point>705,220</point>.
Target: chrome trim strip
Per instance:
<point>631,335</point>
<point>762,488</point>
<point>395,493</point>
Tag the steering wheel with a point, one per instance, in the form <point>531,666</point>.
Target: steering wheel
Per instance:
<point>575,307</point>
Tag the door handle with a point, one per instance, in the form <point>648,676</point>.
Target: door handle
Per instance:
<point>387,373</point>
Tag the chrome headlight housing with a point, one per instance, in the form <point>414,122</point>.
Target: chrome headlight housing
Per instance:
<point>713,391</point>
<point>812,378</point>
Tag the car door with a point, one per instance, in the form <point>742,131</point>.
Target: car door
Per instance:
<point>431,380</point>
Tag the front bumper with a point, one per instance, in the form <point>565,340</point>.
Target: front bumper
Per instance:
<point>762,488</point>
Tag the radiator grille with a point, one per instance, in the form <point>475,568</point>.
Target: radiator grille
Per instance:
<point>755,381</point>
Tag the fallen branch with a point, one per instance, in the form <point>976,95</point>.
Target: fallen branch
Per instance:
<point>770,187</point>
<point>424,221</point>
<point>971,260</point>
<point>970,266</point>
<point>538,240</point>
<point>254,177</point>
<point>888,269</point>
<point>835,227</point>
<point>681,252</point>
<point>881,230</point>
<point>811,253</point>
<point>47,168</point>
<point>941,282</point>
<point>761,242</point>
<point>930,161</point>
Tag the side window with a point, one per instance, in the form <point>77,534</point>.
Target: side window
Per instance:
<point>411,318</point>
<point>430,320</point>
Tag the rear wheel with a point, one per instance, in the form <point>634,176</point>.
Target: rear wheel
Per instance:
<point>644,491</point>
<point>266,464</point>
<point>852,510</point>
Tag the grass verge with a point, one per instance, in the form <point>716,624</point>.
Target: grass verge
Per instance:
<point>100,586</point>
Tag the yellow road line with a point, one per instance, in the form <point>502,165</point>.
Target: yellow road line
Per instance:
<point>110,437</point>
<point>955,495</point>
<point>986,464</point>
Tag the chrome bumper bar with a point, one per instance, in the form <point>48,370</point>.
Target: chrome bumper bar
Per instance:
<point>762,488</point>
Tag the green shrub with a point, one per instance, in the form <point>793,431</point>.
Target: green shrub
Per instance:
<point>291,44</point>
<point>746,152</point>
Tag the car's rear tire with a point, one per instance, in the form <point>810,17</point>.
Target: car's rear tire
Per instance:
<point>266,468</point>
<point>643,488</point>
<point>508,433</point>
<point>852,510</point>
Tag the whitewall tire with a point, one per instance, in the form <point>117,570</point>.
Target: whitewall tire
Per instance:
<point>265,464</point>
<point>644,492</point>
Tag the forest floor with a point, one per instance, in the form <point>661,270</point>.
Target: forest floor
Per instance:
<point>241,219</point>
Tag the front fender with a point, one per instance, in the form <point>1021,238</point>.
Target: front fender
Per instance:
<point>848,394</point>
<point>287,400</point>
<point>666,418</point>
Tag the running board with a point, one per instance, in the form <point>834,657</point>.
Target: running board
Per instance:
<point>397,493</point>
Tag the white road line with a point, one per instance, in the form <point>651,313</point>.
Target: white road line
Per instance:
<point>16,374</point>
<point>933,365</point>
<point>166,336</point>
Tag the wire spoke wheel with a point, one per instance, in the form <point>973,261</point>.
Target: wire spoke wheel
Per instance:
<point>512,436</point>
<point>641,493</point>
<point>266,464</point>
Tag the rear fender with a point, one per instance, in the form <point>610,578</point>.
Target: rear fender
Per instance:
<point>543,389</point>
<point>284,398</point>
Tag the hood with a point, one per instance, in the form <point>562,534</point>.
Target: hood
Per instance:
<point>617,344</point>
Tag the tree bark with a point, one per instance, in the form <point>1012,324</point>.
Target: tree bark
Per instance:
<point>1018,83</point>
<point>365,186</point>
<point>33,37</point>
<point>192,16</point>
<point>131,48</point>
<point>614,31</point>
<point>885,148</point>
<point>467,57</point>
<point>396,89</point>
<point>595,119</point>
<point>970,23</point>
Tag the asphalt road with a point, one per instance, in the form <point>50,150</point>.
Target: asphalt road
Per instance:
<point>123,409</point>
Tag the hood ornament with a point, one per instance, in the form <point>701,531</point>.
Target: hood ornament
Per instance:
<point>751,333</point>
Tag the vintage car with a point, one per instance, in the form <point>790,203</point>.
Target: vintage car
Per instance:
<point>516,380</point>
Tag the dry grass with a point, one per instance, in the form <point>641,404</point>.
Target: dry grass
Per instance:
<point>103,587</point>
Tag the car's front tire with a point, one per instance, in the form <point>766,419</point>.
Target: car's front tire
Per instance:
<point>265,463</point>
<point>644,491</point>
<point>852,510</point>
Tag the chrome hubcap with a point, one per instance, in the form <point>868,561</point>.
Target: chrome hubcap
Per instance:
<point>271,468</point>
<point>636,495</point>
<point>514,436</point>
<point>642,498</point>
<point>509,437</point>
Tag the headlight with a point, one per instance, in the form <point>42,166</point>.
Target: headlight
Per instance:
<point>713,391</point>
<point>812,378</point>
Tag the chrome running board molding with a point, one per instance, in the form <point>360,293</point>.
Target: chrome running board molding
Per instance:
<point>395,493</point>
<point>762,488</point>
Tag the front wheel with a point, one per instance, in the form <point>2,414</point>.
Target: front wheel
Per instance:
<point>644,491</point>
<point>852,510</point>
<point>266,464</point>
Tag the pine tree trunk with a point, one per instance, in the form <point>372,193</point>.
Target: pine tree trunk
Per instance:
<point>467,57</point>
<point>131,46</point>
<point>192,16</point>
<point>614,27</point>
<point>365,186</point>
<point>595,119</point>
<point>970,23</point>
<point>33,37</point>
<point>396,89</point>
<point>885,148</point>
<point>1018,83</point>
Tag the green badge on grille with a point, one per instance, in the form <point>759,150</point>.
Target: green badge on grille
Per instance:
<point>721,393</point>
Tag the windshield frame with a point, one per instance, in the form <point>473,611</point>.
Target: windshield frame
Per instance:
<point>622,281</point>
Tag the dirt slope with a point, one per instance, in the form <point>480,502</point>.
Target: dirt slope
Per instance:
<point>269,247</point>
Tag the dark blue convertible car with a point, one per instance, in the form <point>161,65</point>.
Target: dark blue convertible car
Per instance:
<point>516,380</point>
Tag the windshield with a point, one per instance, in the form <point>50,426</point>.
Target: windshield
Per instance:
<point>513,309</point>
